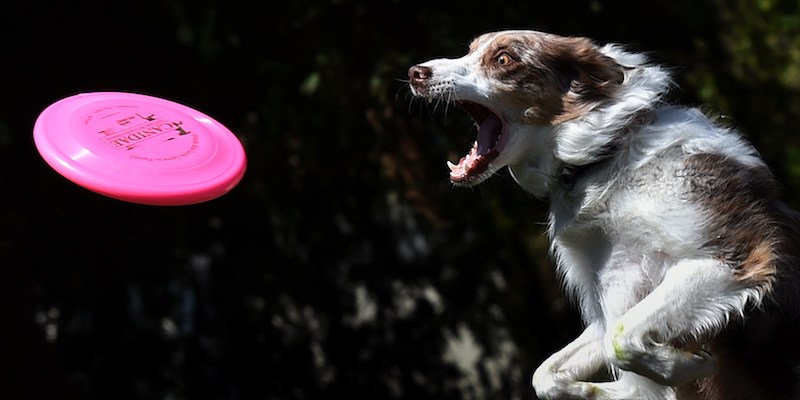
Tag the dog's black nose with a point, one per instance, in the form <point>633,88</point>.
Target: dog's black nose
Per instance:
<point>419,73</point>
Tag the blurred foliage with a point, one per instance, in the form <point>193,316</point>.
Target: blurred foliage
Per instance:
<point>344,264</point>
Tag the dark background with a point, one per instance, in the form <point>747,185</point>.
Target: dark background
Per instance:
<point>344,264</point>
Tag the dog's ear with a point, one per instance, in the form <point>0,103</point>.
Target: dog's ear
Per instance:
<point>586,76</point>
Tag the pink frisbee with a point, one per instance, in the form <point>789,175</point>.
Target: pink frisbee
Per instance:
<point>138,148</point>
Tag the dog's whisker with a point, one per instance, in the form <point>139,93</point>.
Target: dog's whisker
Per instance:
<point>449,99</point>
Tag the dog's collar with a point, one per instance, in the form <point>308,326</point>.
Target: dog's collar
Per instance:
<point>569,174</point>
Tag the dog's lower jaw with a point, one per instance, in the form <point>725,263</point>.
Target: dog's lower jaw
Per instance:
<point>532,177</point>
<point>535,170</point>
<point>530,158</point>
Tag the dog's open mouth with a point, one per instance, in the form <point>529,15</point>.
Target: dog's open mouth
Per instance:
<point>485,148</point>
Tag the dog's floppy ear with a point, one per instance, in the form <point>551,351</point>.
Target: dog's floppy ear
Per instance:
<point>586,77</point>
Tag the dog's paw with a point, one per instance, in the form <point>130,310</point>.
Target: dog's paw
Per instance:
<point>577,390</point>
<point>571,391</point>
<point>667,365</point>
<point>550,386</point>
<point>684,366</point>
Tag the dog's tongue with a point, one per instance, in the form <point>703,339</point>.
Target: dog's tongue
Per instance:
<point>482,151</point>
<point>488,133</point>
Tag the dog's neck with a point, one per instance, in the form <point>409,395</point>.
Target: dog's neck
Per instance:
<point>568,174</point>
<point>539,172</point>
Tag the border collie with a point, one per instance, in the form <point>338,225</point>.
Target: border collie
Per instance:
<point>666,228</point>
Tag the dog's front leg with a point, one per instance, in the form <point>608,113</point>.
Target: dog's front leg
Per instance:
<point>563,375</point>
<point>695,298</point>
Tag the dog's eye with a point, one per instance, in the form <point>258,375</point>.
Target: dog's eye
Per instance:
<point>504,59</point>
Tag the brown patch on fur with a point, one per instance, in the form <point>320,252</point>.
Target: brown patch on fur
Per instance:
<point>759,237</point>
<point>744,224</point>
<point>553,79</point>
<point>759,266</point>
<point>478,41</point>
<point>593,78</point>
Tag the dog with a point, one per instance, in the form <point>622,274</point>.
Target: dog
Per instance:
<point>665,226</point>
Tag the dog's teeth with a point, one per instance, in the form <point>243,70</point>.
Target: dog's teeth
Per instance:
<point>451,166</point>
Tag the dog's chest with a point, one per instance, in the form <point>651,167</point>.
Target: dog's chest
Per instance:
<point>614,235</point>
<point>652,203</point>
